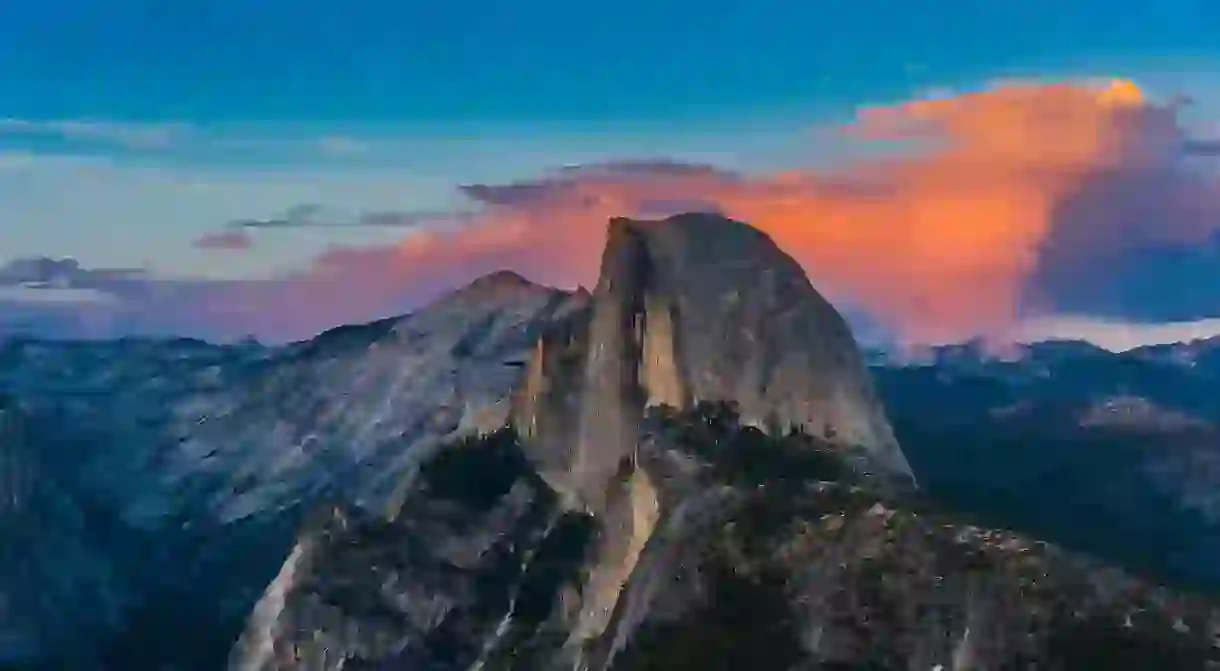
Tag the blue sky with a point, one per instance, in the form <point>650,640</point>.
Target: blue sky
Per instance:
<point>199,112</point>
<point>131,128</point>
<point>537,61</point>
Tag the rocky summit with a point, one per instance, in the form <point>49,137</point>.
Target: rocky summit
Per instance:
<point>687,467</point>
<point>692,308</point>
<point>695,473</point>
<point>695,308</point>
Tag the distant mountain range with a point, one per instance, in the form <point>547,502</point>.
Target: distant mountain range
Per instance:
<point>1117,453</point>
<point>326,500</point>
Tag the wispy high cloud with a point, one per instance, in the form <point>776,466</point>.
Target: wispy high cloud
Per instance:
<point>238,234</point>
<point>297,216</point>
<point>240,142</point>
<point>337,145</point>
<point>64,273</point>
<point>133,135</point>
<point>311,215</point>
<point>225,241</point>
<point>33,297</point>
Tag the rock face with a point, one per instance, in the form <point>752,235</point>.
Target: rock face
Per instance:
<point>155,454</point>
<point>687,309</point>
<point>349,413</point>
<point>695,308</point>
<point>430,588</point>
<point>767,553</point>
<point>698,476</point>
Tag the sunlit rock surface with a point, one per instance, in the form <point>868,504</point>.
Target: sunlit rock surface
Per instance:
<point>763,552</point>
<point>698,476</point>
<point>696,308</point>
<point>171,475</point>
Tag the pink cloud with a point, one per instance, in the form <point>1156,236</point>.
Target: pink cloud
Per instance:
<point>234,240</point>
<point>1019,194</point>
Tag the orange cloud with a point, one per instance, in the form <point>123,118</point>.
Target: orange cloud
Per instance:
<point>1013,189</point>
<point>947,244</point>
<point>939,242</point>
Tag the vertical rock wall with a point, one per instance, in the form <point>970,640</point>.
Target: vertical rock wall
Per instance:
<point>695,308</point>
<point>690,308</point>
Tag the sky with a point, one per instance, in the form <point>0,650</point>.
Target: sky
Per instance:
<point>223,169</point>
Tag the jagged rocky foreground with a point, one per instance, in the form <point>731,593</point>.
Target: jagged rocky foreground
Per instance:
<point>625,520</point>
<point>766,553</point>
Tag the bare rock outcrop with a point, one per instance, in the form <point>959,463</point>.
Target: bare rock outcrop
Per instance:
<point>762,553</point>
<point>695,308</point>
<point>687,309</point>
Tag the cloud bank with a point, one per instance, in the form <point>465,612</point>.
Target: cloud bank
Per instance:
<point>1021,201</point>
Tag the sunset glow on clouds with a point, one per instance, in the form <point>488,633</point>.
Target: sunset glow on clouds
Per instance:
<point>1020,197</point>
<point>1024,185</point>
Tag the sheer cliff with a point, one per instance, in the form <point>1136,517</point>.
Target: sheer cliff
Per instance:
<point>696,308</point>
<point>696,473</point>
<point>687,309</point>
<point>768,553</point>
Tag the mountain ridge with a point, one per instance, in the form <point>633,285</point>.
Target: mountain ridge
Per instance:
<point>593,428</point>
<point>207,458</point>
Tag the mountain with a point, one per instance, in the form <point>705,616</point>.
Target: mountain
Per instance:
<point>195,462</point>
<point>697,474</point>
<point>55,571</point>
<point>764,553</point>
<point>1117,454</point>
<point>695,307</point>
<point>516,476</point>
